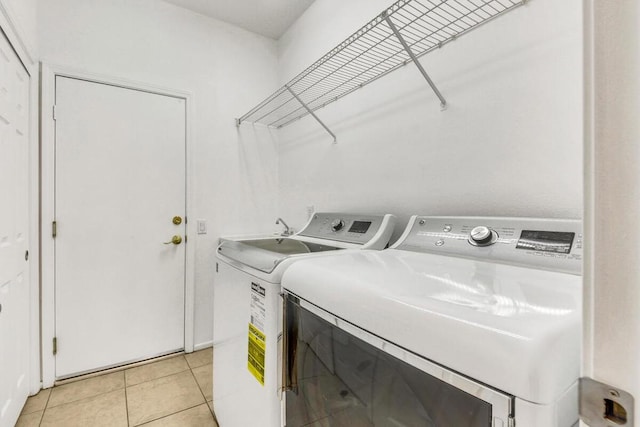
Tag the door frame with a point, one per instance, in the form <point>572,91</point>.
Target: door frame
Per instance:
<point>14,34</point>
<point>49,73</point>
<point>611,336</point>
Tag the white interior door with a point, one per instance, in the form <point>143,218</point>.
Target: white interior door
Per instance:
<point>119,182</point>
<point>14,236</point>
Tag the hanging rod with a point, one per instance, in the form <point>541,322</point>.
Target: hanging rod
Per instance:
<point>401,34</point>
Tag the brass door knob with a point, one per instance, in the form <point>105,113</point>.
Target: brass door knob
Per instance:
<point>177,220</point>
<point>176,240</point>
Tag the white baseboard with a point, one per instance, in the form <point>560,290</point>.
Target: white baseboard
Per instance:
<point>203,345</point>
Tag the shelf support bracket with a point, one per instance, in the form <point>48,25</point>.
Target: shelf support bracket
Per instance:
<point>306,107</point>
<point>414,58</point>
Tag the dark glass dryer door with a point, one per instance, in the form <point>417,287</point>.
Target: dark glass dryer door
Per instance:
<point>336,379</point>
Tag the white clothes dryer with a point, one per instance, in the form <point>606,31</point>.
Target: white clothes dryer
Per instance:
<point>464,322</point>
<point>247,309</point>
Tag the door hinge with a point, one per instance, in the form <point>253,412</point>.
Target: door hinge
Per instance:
<point>216,267</point>
<point>602,405</point>
<point>54,229</point>
<point>185,239</point>
<point>55,346</point>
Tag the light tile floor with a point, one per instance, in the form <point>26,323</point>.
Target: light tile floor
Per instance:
<point>173,392</point>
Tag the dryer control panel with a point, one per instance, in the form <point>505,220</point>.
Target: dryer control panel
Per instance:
<point>549,244</point>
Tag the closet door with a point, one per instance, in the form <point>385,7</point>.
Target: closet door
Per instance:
<point>14,236</point>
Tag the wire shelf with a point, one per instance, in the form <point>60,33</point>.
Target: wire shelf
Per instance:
<point>407,29</point>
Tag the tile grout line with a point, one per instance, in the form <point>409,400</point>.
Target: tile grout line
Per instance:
<point>46,406</point>
<point>151,364</point>
<point>157,378</point>
<point>126,399</point>
<point>199,387</point>
<point>168,415</point>
<point>206,402</point>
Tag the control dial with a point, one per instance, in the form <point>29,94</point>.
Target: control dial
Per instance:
<point>337,224</point>
<point>482,236</point>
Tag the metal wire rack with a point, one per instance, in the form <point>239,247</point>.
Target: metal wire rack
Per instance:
<point>405,31</point>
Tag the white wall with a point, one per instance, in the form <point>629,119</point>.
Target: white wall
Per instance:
<point>226,70</point>
<point>23,17</point>
<point>510,142</point>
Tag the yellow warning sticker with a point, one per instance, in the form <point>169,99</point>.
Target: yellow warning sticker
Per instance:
<point>257,349</point>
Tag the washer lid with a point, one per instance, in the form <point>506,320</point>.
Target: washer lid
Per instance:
<point>265,254</point>
<point>323,233</point>
<point>516,329</point>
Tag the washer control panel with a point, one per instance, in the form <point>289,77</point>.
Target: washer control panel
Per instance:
<point>482,236</point>
<point>540,243</point>
<point>337,224</point>
<point>343,227</point>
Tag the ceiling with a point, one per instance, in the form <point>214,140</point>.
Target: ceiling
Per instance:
<point>271,18</point>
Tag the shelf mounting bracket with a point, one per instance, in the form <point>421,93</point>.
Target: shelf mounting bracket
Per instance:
<point>306,107</point>
<point>414,58</point>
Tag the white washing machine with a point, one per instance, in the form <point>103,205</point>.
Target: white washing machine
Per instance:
<point>464,322</point>
<point>247,309</point>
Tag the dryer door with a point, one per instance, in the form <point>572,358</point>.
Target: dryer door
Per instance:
<point>339,379</point>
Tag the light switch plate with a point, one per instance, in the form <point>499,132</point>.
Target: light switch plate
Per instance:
<point>202,226</point>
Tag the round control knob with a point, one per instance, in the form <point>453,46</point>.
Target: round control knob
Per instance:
<point>337,224</point>
<point>482,236</point>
